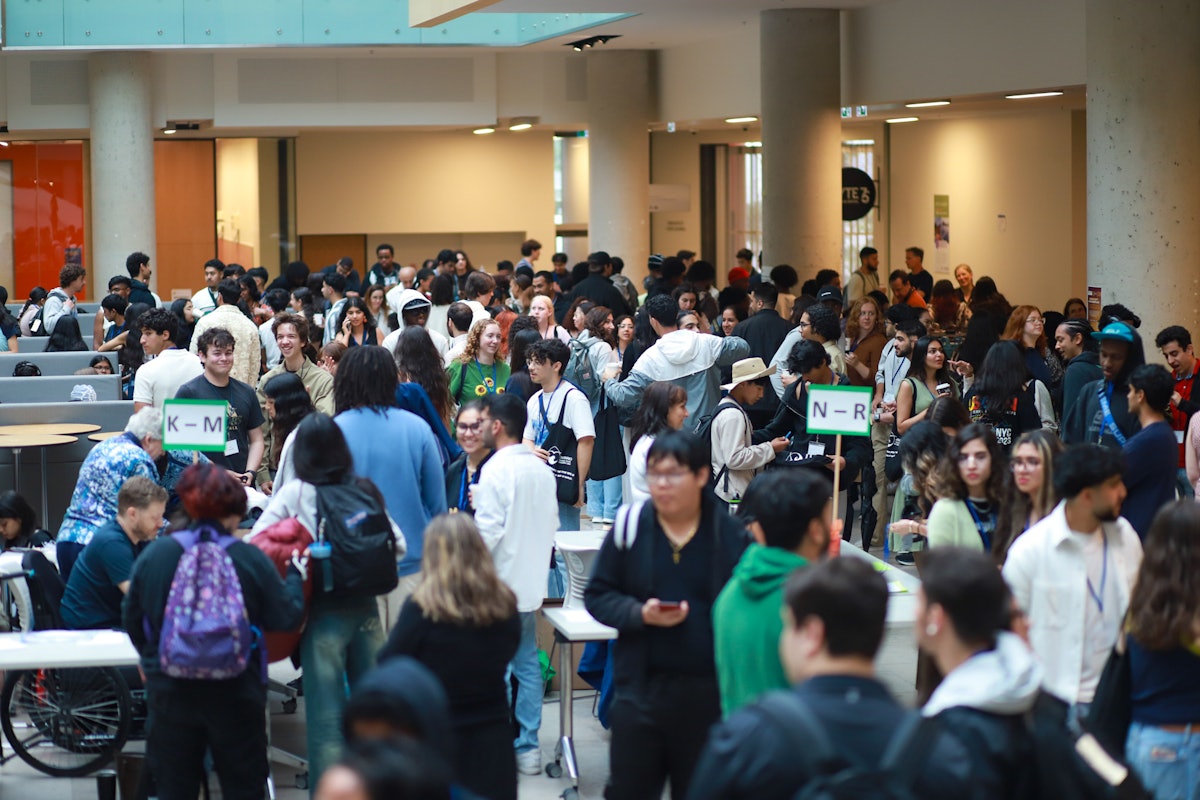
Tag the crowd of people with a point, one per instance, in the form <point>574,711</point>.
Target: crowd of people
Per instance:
<point>1025,462</point>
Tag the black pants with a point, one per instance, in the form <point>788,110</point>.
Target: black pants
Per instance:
<point>487,764</point>
<point>658,733</point>
<point>227,718</point>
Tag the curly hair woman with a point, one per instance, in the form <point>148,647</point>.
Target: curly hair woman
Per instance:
<point>479,370</point>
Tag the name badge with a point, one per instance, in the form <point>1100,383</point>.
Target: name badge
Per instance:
<point>816,449</point>
<point>231,447</point>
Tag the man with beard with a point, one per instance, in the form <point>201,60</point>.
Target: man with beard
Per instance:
<point>1100,413</point>
<point>866,278</point>
<point>1072,573</point>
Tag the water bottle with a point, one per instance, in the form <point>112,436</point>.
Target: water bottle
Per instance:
<point>320,553</point>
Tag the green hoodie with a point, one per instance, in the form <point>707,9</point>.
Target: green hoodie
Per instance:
<point>747,623</point>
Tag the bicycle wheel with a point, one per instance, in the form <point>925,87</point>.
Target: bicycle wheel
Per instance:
<point>65,722</point>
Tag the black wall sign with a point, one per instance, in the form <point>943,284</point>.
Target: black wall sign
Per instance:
<point>858,193</point>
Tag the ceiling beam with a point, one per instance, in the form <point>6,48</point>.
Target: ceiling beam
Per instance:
<point>430,13</point>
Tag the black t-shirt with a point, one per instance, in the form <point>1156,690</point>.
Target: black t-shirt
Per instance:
<point>688,647</point>
<point>243,415</point>
<point>92,599</point>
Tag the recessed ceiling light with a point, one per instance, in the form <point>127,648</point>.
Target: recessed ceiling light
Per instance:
<point>483,131</point>
<point>894,120</point>
<point>168,131</point>
<point>739,120</point>
<point>1031,95</point>
<point>520,126</point>
<point>928,104</point>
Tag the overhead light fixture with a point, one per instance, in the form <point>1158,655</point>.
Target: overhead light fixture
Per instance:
<point>3,144</point>
<point>740,120</point>
<point>591,41</point>
<point>928,104</point>
<point>176,125</point>
<point>522,123</point>
<point>170,129</point>
<point>895,120</point>
<point>483,131</point>
<point>1031,95</point>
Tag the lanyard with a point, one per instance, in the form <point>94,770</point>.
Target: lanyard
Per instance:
<point>1105,394</point>
<point>542,407</point>
<point>983,534</point>
<point>1099,596</point>
<point>462,491</point>
<point>489,385</point>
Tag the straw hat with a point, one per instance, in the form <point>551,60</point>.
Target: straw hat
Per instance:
<point>748,369</point>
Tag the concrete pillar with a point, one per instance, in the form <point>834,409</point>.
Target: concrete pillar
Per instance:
<point>802,139</point>
<point>1143,160</point>
<point>122,163</point>
<point>621,104</point>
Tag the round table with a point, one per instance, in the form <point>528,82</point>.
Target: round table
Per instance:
<point>17,441</point>
<point>60,428</point>
<point>102,435</point>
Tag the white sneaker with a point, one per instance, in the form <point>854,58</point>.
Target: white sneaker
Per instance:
<point>530,762</point>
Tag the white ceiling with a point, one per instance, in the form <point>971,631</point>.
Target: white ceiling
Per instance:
<point>663,23</point>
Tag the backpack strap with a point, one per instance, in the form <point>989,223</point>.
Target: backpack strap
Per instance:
<point>624,530</point>
<point>804,730</point>
<point>908,749</point>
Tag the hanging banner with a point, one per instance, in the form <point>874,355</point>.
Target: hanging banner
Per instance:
<point>941,234</point>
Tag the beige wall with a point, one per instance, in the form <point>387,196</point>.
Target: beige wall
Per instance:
<point>428,183</point>
<point>1019,166</point>
<point>237,194</point>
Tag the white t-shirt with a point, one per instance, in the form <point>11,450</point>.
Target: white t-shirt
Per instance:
<point>577,415</point>
<point>267,337</point>
<point>158,379</point>
<point>639,490</point>
<point>1100,628</point>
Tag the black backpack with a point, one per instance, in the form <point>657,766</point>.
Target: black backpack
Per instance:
<point>37,325</point>
<point>830,776</point>
<point>704,432</point>
<point>1074,767</point>
<point>352,519</point>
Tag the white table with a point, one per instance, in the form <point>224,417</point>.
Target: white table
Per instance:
<point>902,587</point>
<point>571,625</point>
<point>66,650</point>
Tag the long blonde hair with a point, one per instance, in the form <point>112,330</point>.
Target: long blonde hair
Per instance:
<point>459,583</point>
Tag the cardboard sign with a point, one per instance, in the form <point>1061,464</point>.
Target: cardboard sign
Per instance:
<point>839,410</point>
<point>194,425</point>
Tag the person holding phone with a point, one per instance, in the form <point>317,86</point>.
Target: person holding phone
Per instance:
<point>655,580</point>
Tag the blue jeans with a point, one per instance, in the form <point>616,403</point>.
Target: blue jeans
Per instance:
<point>340,642</point>
<point>556,581</point>
<point>530,687</point>
<point>1186,490</point>
<point>603,498</point>
<point>1168,762</point>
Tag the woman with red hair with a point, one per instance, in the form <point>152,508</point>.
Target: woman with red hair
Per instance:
<point>188,716</point>
<point>1027,328</point>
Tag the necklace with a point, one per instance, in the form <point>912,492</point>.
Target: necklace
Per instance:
<point>678,542</point>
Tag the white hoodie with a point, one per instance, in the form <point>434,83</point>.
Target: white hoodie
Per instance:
<point>1005,680</point>
<point>686,358</point>
<point>397,299</point>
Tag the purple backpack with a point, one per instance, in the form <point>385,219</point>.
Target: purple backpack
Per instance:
<point>206,632</point>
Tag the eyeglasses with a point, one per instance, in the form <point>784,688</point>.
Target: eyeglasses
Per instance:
<point>804,324</point>
<point>470,428</point>
<point>1026,464</point>
<point>668,478</point>
<point>1034,321</point>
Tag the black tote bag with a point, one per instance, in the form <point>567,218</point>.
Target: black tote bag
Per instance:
<point>563,450</point>
<point>1112,708</point>
<point>608,455</point>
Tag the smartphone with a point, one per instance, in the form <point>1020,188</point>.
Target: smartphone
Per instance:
<point>789,436</point>
<point>669,605</point>
<point>943,388</point>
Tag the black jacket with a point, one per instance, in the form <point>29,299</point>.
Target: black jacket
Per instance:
<point>749,756</point>
<point>622,580</point>
<point>983,331</point>
<point>140,293</point>
<point>764,332</point>
<point>792,417</point>
<point>1083,421</point>
<point>1000,749</point>
<point>1082,369</point>
<point>600,290</point>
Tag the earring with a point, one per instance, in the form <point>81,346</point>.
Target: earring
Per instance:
<point>931,629</point>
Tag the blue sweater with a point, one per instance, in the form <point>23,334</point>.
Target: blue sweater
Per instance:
<point>1151,456</point>
<point>398,452</point>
